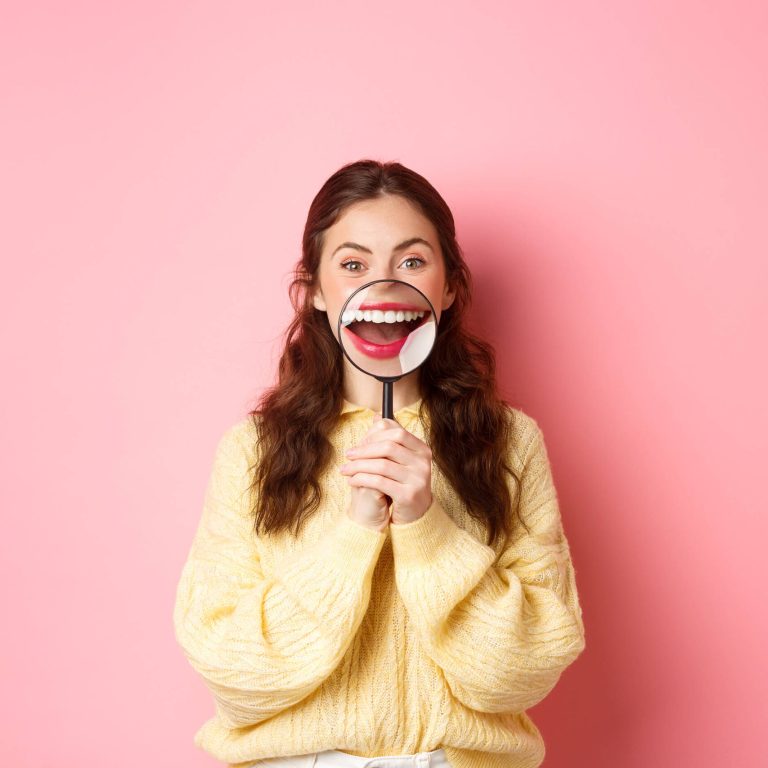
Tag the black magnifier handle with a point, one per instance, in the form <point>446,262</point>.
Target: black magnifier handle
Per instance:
<point>386,399</point>
<point>386,410</point>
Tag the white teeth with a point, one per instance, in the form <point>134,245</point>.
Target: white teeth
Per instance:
<point>377,316</point>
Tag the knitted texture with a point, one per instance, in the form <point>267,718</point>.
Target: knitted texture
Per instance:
<point>378,643</point>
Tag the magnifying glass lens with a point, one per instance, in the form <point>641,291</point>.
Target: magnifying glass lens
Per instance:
<point>387,328</point>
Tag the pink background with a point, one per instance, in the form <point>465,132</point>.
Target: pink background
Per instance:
<point>606,164</point>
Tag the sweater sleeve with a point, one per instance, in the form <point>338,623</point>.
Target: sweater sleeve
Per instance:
<point>263,642</point>
<point>502,629</point>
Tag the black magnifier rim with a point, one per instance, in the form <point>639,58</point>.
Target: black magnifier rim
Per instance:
<point>341,314</point>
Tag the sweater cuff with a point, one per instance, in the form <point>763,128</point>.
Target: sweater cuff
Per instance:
<point>351,546</point>
<point>348,553</point>
<point>356,537</point>
<point>432,537</point>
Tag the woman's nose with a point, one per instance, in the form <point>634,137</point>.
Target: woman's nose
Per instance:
<point>382,273</point>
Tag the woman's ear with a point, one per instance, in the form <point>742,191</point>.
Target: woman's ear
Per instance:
<point>318,299</point>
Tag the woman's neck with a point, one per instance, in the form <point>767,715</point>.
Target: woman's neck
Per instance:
<point>362,389</point>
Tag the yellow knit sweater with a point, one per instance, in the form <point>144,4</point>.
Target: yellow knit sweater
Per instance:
<point>374,643</point>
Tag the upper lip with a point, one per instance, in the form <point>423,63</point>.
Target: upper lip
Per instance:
<point>391,305</point>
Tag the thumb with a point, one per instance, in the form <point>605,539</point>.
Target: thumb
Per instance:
<point>377,424</point>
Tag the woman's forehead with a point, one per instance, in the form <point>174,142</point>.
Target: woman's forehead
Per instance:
<point>380,223</point>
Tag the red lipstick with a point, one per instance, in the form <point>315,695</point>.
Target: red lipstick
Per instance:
<point>392,348</point>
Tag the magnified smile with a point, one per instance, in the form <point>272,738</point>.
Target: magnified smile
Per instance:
<point>380,329</point>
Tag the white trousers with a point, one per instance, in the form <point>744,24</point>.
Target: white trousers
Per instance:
<point>333,758</point>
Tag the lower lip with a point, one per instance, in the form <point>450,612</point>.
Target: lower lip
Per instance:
<point>379,351</point>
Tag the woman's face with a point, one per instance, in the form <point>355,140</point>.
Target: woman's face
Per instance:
<point>382,238</point>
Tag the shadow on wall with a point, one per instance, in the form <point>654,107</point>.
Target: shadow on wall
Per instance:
<point>500,309</point>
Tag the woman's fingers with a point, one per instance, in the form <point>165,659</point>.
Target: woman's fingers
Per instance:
<point>389,429</point>
<point>411,501</point>
<point>383,449</point>
<point>394,442</point>
<point>384,467</point>
<point>377,482</point>
<point>393,462</point>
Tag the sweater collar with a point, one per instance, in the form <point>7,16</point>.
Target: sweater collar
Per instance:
<point>410,410</point>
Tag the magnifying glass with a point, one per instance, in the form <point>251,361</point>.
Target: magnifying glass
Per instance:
<point>387,329</point>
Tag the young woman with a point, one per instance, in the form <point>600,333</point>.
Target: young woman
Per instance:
<point>332,628</point>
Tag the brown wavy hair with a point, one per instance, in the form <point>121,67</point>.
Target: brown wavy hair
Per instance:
<point>468,422</point>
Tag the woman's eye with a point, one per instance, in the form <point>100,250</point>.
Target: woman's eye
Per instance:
<point>346,264</point>
<point>414,258</point>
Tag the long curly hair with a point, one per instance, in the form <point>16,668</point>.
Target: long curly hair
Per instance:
<point>468,422</point>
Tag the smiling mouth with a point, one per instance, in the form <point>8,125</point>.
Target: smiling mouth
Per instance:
<point>380,330</point>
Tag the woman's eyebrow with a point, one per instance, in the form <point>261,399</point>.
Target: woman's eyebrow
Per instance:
<point>405,244</point>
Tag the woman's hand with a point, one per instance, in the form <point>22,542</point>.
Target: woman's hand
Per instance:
<point>395,463</point>
<point>369,508</point>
